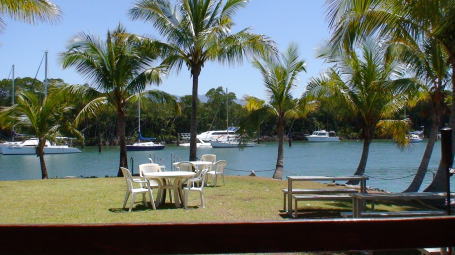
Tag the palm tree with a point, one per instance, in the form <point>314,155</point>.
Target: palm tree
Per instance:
<point>119,68</point>
<point>429,62</point>
<point>398,20</point>
<point>198,31</point>
<point>29,11</point>
<point>280,76</point>
<point>44,116</point>
<point>362,88</point>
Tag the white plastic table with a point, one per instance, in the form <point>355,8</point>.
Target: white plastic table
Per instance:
<point>178,176</point>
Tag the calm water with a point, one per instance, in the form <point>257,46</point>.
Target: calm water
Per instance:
<point>389,167</point>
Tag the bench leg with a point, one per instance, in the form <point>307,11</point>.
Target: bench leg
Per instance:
<point>294,215</point>
<point>284,202</point>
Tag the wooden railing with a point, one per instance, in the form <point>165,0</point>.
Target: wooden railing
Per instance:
<point>283,236</point>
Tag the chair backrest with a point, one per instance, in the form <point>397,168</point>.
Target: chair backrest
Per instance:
<point>219,166</point>
<point>128,177</point>
<point>200,177</point>
<point>209,157</point>
<point>184,166</point>
<point>149,168</point>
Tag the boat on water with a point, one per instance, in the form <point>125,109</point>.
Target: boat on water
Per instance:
<point>323,136</point>
<point>145,146</point>
<point>28,147</point>
<point>199,144</point>
<point>148,145</point>
<point>226,142</point>
<point>414,138</point>
<point>214,135</point>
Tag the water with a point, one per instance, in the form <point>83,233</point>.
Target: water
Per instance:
<point>389,167</point>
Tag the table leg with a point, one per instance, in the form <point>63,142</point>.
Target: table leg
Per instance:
<point>177,191</point>
<point>289,196</point>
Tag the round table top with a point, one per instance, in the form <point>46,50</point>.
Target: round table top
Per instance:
<point>199,162</point>
<point>169,174</point>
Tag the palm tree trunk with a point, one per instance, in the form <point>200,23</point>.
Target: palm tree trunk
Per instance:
<point>363,159</point>
<point>40,153</point>
<point>439,181</point>
<point>436,108</point>
<point>423,167</point>
<point>278,174</point>
<point>195,71</point>
<point>122,140</point>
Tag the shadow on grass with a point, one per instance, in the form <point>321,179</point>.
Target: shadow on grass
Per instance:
<point>314,213</point>
<point>141,207</point>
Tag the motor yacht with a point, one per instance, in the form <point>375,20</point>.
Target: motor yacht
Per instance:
<point>28,147</point>
<point>323,136</point>
<point>199,144</point>
<point>226,142</point>
<point>214,135</point>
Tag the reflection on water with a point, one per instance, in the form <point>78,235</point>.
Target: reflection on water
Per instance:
<point>389,167</point>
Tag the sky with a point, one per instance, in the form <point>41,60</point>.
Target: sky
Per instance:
<point>302,22</point>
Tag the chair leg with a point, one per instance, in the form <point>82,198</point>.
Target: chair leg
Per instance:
<point>223,179</point>
<point>127,195</point>
<point>132,201</point>
<point>216,179</point>
<point>202,200</point>
<point>152,201</point>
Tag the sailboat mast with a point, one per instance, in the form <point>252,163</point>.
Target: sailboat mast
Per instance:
<point>139,117</point>
<point>13,87</point>
<point>45,73</point>
<point>227,110</point>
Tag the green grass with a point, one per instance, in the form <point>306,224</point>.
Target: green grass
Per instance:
<point>99,200</point>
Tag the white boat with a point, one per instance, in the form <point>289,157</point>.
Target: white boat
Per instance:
<point>414,138</point>
<point>214,135</point>
<point>28,147</point>
<point>199,144</point>
<point>226,142</point>
<point>323,136</point>
<point>7,144</point>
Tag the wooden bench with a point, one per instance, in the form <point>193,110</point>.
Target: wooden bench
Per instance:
<point>298,198</point>
<point>314,191</point>
<point>397,214</point>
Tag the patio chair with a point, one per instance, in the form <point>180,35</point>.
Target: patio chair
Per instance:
<point>144,187</point>
<point>195,184</point>
<point>217,169</point>
<point>209,157</point>
<point>151,168</point>
<point>184,166</point>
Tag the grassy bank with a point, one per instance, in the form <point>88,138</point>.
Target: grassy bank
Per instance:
<point>99,200</point>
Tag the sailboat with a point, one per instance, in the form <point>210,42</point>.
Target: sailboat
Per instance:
<point>148,145</point>
<point>230,139</point>
<point>28,147</point>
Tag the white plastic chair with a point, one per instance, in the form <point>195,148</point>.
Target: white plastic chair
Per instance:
<point>195,184</point>
<point>144,187</point>
<point>184,166</point>
<point>209,157</point>
<point>217,169</point>
<point>153,168</point>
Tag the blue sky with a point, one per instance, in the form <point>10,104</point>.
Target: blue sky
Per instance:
<point>286,21</point>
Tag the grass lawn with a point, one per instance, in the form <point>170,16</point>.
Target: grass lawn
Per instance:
<point>99,200</point>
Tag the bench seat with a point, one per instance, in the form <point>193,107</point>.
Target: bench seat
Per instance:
<point>298,198</point>
<point>314,191</point>
<point>397,214</point>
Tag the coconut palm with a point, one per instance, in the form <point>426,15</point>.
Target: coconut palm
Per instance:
<point>28,10</point>
<point>429,62</point>
<point>44,116</point>
<point>280,77</point>
<point>197,31</point>
<point>119,68</point>
<point>363,88</point>
<point>398,20</point>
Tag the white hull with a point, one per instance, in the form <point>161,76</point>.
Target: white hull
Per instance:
<point>231,144</point>
<point>415,140</point>
<point>199,145</point>
<point>322,139</point>
<point>31,150</point>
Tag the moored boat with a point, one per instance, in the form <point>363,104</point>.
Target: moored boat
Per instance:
<point>199,144</point>
<point>28,147</point>
<point>145,146</point>
<point>323,136</point>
